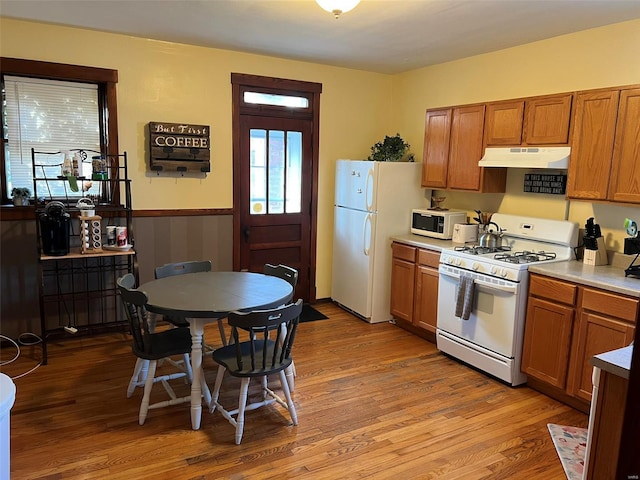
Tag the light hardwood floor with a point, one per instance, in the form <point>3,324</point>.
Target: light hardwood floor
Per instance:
<point>373,401</point>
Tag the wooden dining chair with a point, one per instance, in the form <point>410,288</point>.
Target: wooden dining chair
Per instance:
<point>263,341</point>
<point>282,271</point>
<point>150,347</point>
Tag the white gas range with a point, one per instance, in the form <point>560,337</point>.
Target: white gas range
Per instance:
<point>482,293</point>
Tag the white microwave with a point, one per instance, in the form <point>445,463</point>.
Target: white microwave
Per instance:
<point>436,223</point>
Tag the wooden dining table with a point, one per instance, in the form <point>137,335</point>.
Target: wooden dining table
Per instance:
<point>204,297</point>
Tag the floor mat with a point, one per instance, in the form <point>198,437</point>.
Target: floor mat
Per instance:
<point>309,314</point>
<point>571,445</point>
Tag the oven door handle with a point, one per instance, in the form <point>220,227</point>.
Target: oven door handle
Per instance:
<point>482,283</point>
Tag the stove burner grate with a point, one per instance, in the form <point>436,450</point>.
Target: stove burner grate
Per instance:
<point>478,250</point>
<point>525,256</point>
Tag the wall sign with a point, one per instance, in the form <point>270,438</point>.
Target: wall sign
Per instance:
<point>179,147</point>
<point>553,184</point>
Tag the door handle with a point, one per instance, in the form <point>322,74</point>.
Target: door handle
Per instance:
<point>246,232</point>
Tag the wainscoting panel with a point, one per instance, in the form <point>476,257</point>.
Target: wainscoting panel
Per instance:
<point>158,240</point>
<point>161,240</point>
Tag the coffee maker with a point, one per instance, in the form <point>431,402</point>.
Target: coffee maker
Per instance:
<point>54,229</point>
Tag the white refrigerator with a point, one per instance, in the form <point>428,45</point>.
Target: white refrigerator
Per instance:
<point>373,201</point>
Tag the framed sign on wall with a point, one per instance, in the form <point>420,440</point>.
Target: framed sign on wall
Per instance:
<point>179,147</point>
<point>538,183</point>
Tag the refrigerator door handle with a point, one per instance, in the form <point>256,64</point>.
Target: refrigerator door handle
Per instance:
<point>366,235</point>
<point>369,191</point>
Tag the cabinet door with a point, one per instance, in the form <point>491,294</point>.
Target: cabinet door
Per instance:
<point>503,123</point>
<point>425,305</point>
<point>425,310</point>
<point>547,341</point>
<point>437,132</point>
<point>592,145</point>
<point>596,334</point>
<point>402,288</point>
<point>546,120</point>
<point>625,172</point>
<point>466,148</point>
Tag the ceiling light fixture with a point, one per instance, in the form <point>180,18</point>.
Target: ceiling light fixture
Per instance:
<point>338,7</point>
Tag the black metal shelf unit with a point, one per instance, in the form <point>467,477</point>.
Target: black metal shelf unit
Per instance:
<point>78,291</point>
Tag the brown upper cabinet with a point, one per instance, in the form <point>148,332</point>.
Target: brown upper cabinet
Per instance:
<point>592,146</point>
<point>437,131</point>
<point>504,122</point>
<point>453,146</point>
<point>602,127</point>
<point>625,169</point>
<point>605,152</point>
<point>541,120</point>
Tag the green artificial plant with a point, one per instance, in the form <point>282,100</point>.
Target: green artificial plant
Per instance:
<point>391,149</point>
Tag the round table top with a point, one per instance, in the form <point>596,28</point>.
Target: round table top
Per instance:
<point>215,294</point>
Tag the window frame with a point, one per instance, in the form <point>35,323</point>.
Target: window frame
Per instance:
<point>105,79</point>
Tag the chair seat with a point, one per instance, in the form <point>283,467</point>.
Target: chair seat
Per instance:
<point>227,357</point>
<point>175,341</point>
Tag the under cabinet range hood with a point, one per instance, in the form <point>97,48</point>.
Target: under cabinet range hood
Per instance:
<point>526,157</point>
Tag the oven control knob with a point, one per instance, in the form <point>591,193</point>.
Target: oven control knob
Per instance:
<point>494,270</point>
<point>475,265</point>
<point>458,262</point>
<point>503,273</point>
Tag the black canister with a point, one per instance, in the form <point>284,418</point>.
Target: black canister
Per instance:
<point>54,229</point>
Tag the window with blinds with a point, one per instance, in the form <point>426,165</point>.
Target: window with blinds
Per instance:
<point>49,116</point>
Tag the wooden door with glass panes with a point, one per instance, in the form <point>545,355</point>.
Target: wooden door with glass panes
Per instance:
<point>275,198</point>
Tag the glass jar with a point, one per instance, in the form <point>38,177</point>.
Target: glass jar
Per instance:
<point>99,168</point>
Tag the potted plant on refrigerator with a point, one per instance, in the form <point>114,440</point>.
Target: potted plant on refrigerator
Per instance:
<point>391,149</point>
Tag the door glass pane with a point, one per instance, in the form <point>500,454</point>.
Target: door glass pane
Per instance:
<point>276,172</point>
<point>258,175</point>
<point>294,172</point>
<point>276,100</point>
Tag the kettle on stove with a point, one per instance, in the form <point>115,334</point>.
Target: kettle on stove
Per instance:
<point>491,239</point>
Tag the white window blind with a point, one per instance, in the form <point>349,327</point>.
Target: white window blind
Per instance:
<point>50,116</point>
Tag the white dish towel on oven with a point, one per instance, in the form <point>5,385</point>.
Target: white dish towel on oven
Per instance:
<point>464,299</point>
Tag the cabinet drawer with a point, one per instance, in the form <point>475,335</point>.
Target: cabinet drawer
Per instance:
<point>553,289</point>
<point>428,258</point>
<point>610,304</point>
<point>404,252</point>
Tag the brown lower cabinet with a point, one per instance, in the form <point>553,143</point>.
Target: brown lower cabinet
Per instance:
<point>566,325</point>
<point>607,426</point>
<point>414,288</point>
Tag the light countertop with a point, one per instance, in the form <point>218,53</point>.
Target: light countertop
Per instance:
<point>607,277</point>
<point>423,242</point>
<point>617,362</point>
